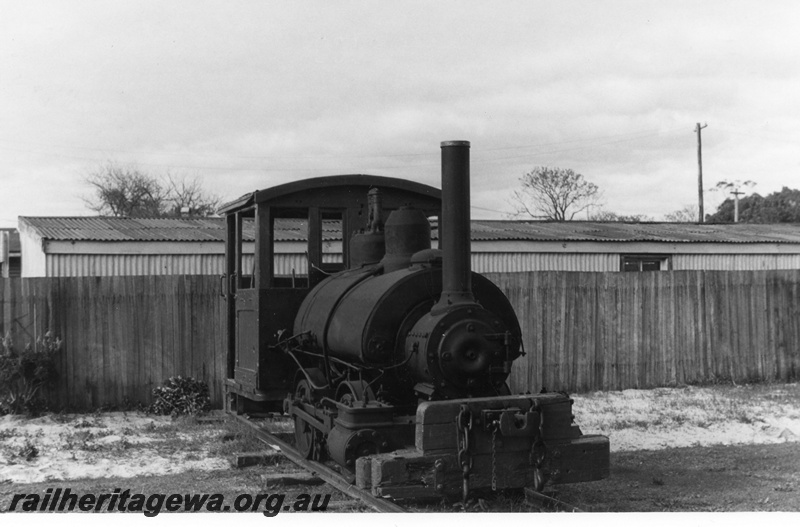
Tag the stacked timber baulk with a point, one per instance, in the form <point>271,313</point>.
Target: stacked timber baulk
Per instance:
<point>123,336</point>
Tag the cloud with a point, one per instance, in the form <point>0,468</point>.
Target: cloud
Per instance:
<point>252,94</point>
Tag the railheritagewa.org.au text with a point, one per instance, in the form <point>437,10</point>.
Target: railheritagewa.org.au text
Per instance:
<point>64,500</point>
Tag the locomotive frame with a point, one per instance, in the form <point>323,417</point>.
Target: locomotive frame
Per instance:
<point>392,362</point>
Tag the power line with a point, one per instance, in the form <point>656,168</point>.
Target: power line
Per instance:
<point>633,135</point>
<point>489,210</point>
<point>477,160</point>
<point>550,152</point>
<point>320,156</point>
<point>201,154</point>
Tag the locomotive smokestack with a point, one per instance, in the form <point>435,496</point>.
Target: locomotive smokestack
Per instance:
<point>454,226</point>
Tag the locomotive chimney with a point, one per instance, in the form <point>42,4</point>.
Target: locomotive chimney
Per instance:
<point>454,226</point>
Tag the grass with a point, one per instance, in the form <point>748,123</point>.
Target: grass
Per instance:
<point>693,406</point>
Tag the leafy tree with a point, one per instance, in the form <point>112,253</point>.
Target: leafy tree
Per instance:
<point>778,207</point>
<point>734,188</point>
<point>554,193</point>
<point>126,191</point>
<point>686,214</point>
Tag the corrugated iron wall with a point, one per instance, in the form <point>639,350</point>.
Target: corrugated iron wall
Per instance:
<point>735,262</point>
<point>63,265</point>
<point>519,262</point>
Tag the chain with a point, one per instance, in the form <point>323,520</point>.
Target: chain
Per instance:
<point>538,453</point>
<point>463,427</point>
<point>495,426</point>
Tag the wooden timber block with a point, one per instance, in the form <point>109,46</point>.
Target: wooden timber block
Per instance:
<point>419,475</point>
<point>209,419</point>
<point>409,474</point>
<point>287,479</point>
<point>441,438</point>
<point>586,458</point>
<point>248,459</point>
<point>364,472</point>
<point>436,420</point>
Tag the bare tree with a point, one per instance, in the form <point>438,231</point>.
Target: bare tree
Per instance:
<point>188,197</point>
<point>607,215</point>
<point>686,214</point>
<point>555,194</point>
<point>125,191</point>
<point>120,190</point>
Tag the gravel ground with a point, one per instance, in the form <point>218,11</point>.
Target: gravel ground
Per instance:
<point>714,448</point>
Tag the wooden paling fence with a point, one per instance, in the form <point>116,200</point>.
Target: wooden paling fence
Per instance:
<point>123,336</point>
<point>612,331</point>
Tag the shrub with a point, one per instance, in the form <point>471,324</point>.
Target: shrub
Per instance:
<point>180,396</point>
<point>24,373</point>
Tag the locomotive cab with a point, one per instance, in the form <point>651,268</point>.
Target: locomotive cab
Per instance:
<point>280,243</point>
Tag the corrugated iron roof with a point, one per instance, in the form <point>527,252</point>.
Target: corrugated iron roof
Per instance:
<point>487,230</point>
<point>93,228</point>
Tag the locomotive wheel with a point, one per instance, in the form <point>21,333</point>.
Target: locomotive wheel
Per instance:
<point>305,435</point>
<point>350,392</point>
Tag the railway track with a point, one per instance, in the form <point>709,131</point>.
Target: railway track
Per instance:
<point>547,502</point>
<point>324,472</point>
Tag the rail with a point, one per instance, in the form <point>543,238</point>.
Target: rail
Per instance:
<point>326,473</point>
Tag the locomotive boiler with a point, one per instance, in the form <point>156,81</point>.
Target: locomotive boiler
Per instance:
<point>396,358</point>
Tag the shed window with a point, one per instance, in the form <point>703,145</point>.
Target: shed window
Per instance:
<point>15,267</point>
<point>639,263</point>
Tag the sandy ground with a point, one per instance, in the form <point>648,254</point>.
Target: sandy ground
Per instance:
<point>691,416</point>
<point>87,446</point>
<point>129,444</point>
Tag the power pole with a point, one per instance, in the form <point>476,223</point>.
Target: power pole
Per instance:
<point>736,193</point>
<point>700,171</point>
<point>735,189</point>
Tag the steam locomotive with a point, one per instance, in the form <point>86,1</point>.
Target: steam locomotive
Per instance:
<point>395,355</point>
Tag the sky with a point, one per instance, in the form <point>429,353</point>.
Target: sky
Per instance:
<point>244,95</point>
